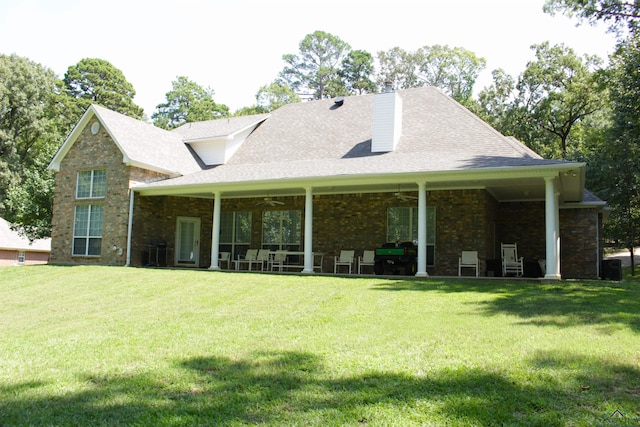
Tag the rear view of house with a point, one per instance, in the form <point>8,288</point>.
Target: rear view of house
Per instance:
<point>315,179</point>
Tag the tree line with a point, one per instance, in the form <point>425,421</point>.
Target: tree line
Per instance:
<point>562,105</point>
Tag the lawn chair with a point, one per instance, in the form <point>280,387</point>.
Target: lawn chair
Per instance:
<point>345,259</point>
<point>468,259</point>
<point>367,259</point>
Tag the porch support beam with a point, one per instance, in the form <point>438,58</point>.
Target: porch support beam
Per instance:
<point>215,234</point>
<point>130,226</point>
<point>308,231</point>
<point>422,230</point>
<point>552,225</point>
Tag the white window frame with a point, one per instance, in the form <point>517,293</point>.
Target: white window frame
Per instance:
<point>235,238</point>
<point>279,244</point>
<point>97,182</point>
<point>413,229</point>
<point>22,257</point>
<point>86,232</point>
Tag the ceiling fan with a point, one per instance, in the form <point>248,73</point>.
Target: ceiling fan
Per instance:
<point>269,201</point>
<point>401,196</point>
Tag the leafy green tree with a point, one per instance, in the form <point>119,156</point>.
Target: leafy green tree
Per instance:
<point>96,81</point>
<point>618,161</point>
<point>34,119</point>
<point>315,71</point>
<point>453,70</point>
<point>187,102</point>
<point>400,68</point>
<point>357,71</point>
<point>275,95</point>
<point>617,14</point>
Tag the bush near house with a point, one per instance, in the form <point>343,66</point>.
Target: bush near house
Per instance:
<point>124,346</point>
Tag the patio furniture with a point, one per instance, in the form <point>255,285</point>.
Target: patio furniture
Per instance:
<point>262,258</point>
<point>367,259</point>
<point>511,263</point>
<point>468,259</point>
<point>251,257</point>
<point>278,260</point>
<point>345,259</point>
<point>224,257</point>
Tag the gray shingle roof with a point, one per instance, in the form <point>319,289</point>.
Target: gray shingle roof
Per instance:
<point>319,139</point>
<point>217,128</point>
<point>146,144</point>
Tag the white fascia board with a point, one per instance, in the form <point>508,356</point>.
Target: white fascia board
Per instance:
<point>71,139</point>
<point>128,162</point>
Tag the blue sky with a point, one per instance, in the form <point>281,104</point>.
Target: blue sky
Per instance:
<point>235,47</point>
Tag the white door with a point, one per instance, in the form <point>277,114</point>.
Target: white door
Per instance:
<point>187,241</point>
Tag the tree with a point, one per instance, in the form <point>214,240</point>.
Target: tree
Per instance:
<point>398,67</point>
<point>187,102</point>
<point>618,161</point>
<point>454,70</point>
<point>275,95</point>
<point>314,71</point>
<point>96,81</point>
<point>34,119</point>
<point>617,14</point>
<point>558,90</point>
<point>357,70</point>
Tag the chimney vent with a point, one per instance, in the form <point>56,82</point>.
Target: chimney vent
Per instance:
<point>388,87</point>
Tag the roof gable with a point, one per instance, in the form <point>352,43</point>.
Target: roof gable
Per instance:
<point>141,144</point>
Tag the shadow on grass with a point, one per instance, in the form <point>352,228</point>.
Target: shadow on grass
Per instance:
<point>292,388</point>
<point>567,303</point>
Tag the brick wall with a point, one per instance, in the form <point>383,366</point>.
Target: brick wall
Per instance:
<point>94,152</point>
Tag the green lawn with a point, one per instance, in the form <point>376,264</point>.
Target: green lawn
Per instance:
<point>91,346</point>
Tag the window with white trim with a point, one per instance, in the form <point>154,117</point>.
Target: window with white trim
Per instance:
<point>281,230</point>
<point>87,230</point>
<point>22,256</point>
<point>402,226</point>
<point>88,218</point>
<point>235,232</point>
<point>91,184</point>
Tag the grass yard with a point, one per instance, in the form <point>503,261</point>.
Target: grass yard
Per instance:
<point>97,346</point>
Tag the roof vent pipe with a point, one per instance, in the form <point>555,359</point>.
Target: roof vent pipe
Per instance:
<point>388,87</point>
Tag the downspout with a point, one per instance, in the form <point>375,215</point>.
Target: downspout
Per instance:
<point>130,226</point>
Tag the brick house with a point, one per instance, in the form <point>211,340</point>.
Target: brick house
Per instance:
<point>16,249</point>
<point>320,176</point>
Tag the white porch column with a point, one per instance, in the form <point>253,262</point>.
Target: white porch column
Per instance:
<point>552,230</point>
<point>308,231</point>
<point>215,234</point>
<point>422,230</point>
<point>130,226</point>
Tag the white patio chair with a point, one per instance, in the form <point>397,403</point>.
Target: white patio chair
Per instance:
<point>248,258</point>
<point>262,259</point>
<point>345,259</point>
<point>510,261</point>
<point>224,257</point>
<point>278,260</point>
<point>367,259</point>
<point>468,259</point>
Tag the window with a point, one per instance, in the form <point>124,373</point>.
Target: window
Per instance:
<point>235,232</point>
<point>281,230</point>
<point>402,226</point>
<point>91,184</point>
<point>21,257</point>
<point>87,230</point>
